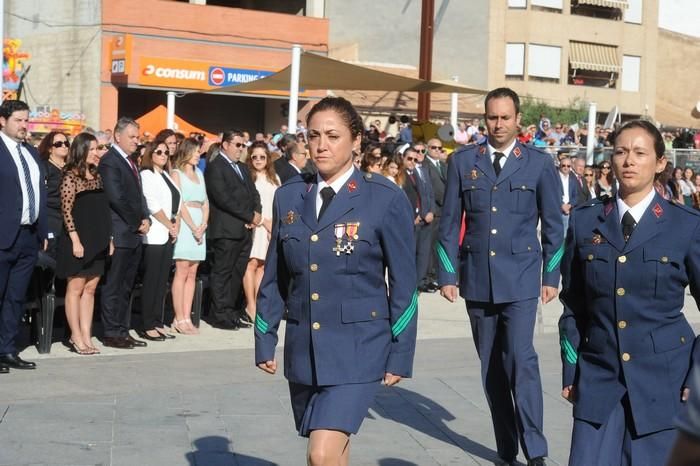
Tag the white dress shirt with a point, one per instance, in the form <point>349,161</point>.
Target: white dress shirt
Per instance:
<point>34,175</point>
<point>506,152</point>
<point>337,185</point>
<point>565,185</point>
<point>637,211</point>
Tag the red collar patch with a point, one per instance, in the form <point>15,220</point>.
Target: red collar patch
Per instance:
<point>516,152</point>
<point>352,186</point>
<point>482,150</point>
<point>658,211</point>
<point>608,208</point>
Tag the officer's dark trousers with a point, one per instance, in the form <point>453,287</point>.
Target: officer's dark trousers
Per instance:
<point>615,443</point>
<point>119,283</point>
<point>228,263</point>
<point>16,267</point>
<point>510,374</point>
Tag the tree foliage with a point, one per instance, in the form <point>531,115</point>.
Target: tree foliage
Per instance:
<point>532,108</point>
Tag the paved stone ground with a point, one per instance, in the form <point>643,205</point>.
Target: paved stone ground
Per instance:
<point>198,401</point>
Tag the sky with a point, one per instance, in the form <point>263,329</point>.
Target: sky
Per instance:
<point>680,16</point>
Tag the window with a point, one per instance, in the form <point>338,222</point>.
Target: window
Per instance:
<point>515,59</point>
<point>553,4</point>
<point>544,61</point>
<point>630,73</point>
<point>605,9</point>
<point>595,65</point>
<point>633,13</point>
<point>517,3</point>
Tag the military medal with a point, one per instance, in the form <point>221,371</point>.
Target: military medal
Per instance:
<point>351,230</point>
<point>291,217</point>
<point>339,232</point>
<point>475,174</point>
<point>597,239</point>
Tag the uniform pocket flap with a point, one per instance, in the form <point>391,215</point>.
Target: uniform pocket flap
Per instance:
<point>524,244</point>
<point>522,185</point>
<point>599,252</point>
<point>672,336</point>
<point>365,309</point>
<point>663,256</point>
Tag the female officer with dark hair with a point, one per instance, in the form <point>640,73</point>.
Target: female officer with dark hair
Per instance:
<point>334,236</point>
<point>626,346</point>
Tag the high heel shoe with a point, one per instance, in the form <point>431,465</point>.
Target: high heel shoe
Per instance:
<point>167,336</point>
<point>73,348</point>
<point>148,337</point>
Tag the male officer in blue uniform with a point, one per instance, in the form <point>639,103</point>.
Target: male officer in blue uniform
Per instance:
<point>626,345</point>
<point>342,261</point>
<point>504,188</point>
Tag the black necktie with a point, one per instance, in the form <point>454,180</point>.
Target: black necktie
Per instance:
<point>497,156</point>
<point>327,195</point>
<point>628,225</point>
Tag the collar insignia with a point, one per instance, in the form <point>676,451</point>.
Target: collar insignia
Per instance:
<point>608,208</point>
<point>658,211</point>
<point>352,186</point>
<point>516,152</point>
<point>482,150</point>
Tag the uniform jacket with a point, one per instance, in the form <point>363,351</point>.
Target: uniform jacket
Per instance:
<point>622,329</point>
<point>501,259</point>
<point>344,325</point>
<point>11,195</point>
<point>126,200</point>
<point>232,201</point>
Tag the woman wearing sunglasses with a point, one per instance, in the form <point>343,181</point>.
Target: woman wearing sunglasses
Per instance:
<point>262,169</point>
<point>53,149</point>
<point>605,183</point>
<point>163,201</point>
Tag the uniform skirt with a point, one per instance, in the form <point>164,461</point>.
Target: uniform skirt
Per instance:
<point>332,407</point>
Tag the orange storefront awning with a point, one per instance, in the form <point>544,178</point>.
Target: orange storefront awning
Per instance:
<point>154,121</point>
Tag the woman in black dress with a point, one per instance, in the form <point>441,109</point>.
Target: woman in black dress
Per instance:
<point>53,149</point>
<point>85,243</point>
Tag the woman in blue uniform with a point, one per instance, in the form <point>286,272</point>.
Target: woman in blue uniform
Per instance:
<point>626,346</point>
<point>341,261</point>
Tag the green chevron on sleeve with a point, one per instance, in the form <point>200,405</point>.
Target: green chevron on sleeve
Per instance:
<point>260,324</point>
<point>403,321</point>
<point>444,258</point>
<point>555,260</point>
<point>568,350</point>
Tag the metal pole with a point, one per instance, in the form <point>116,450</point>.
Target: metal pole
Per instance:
<point>453,108</point>
<point>591,133</point>
<point>2,40</point>
<point>170,118</point>
<point>426,56</point>
<point>294,90</point>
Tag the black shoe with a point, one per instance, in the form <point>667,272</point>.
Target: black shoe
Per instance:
<point>166,336</point>
<point>225,325</point>
<point>15,362</point>
<point>146,336</point>
<point>504,462</point>
<point>4,369</point>
<point>135,342</point>
<point>246,318</point>
<point>537,461</point>
<point>117,342</point>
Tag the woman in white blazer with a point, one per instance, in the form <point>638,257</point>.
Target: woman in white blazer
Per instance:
<point>163,199</point>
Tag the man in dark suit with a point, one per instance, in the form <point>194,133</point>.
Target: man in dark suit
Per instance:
<point>568,190</point>
<point>293,162</point>
<point>130,220</point>
<point>436,168</point>
<point>420,196</point>
<point>23,228</point>
<point>578,167</point>
<point>235,212</point>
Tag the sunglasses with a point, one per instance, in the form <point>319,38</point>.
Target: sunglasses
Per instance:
<point>61,143</point>
<point>410,159</point>
<point>565,166</point>
<point>258,157</point>
<point>162,152</point>
<point>605,167</point>
<point>104,146</point>
<point>237,144</point>
<point>588,175</point>
<point>435,147</point>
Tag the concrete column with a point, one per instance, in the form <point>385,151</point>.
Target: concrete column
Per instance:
<point>315,8</point>
<point>170,118</point>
